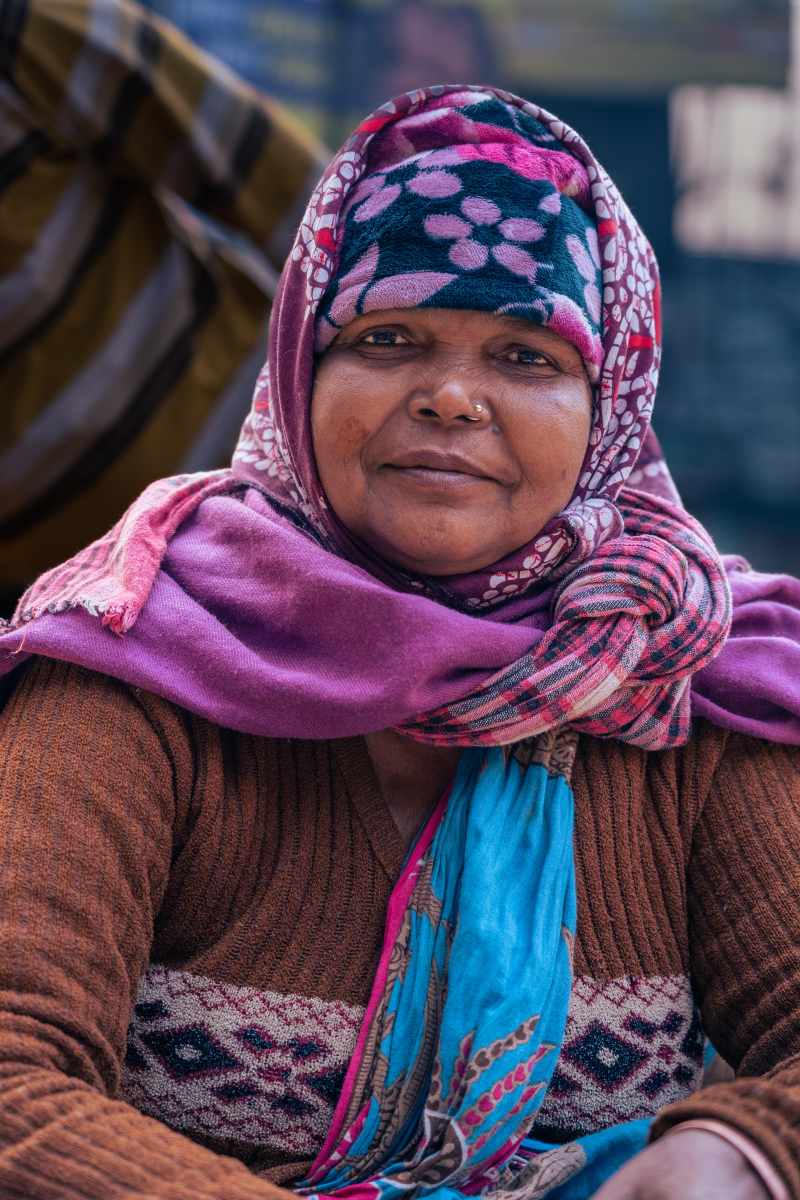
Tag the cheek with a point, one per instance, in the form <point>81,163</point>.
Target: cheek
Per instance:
<point>552,438</point>
<point>555,446</point>
<point>339,434</point>
<point>353,431</point>
<point>574,441</point>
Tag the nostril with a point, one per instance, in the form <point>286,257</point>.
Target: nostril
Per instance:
<point>428,412</point>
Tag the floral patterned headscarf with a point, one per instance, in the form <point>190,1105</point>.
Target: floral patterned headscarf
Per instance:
<point>437,141</point>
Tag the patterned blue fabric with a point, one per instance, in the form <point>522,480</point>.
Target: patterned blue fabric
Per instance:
<point>474,1009</point>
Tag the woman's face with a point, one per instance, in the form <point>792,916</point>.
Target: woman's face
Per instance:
<point>446,438</point>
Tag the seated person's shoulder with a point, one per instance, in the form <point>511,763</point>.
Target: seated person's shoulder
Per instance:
<point>47,692</point>
<point>685,780</point>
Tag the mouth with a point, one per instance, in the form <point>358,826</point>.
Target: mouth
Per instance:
<point>435,468</point>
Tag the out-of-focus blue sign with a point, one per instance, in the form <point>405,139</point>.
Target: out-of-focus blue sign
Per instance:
<point>333,60</point>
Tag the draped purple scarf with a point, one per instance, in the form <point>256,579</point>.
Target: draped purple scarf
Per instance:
<point>239,595</point>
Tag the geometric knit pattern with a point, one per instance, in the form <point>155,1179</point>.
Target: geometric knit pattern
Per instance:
<point>265,1068</point>
<point>631,1046</point>
<point>217,1060</point>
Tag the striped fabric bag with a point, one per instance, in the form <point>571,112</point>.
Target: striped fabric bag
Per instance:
<point>147,200</point>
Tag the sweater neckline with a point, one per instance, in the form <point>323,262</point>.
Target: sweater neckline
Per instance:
<point>358,773</point>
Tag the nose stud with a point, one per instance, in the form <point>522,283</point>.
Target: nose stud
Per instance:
<point>477,408</point>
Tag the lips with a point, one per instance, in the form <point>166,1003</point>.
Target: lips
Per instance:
<point>446,462</point>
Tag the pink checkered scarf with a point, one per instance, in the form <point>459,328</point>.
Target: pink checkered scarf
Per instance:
<point>638,600</point>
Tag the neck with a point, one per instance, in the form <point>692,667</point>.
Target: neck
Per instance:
<point>411,776</point>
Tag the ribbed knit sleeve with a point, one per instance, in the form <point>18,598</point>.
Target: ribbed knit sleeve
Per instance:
<point>92,788</point>
<point>744,915</point>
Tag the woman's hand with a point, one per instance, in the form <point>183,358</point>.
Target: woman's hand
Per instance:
<point>686,1165</point>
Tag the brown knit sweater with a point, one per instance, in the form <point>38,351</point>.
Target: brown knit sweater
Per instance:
<point>190,919</point>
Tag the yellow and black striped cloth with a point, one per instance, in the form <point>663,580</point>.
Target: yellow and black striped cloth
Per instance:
<point>131,328</point>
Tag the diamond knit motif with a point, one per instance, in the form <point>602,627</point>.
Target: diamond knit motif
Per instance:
<point>631,1046</point>
<point>266,1069</point>
<point>189,1052</point>
<point>216,1060</point>
<point>603,1056</point>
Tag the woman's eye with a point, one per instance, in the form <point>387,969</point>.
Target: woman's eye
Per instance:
<point>384,337</point>
<point>524,356</point>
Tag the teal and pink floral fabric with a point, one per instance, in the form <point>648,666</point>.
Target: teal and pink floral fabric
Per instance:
<point>466,1019</point>
<point>503,226</point>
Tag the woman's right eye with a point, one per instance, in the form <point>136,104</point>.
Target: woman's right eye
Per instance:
<point>384,337</point>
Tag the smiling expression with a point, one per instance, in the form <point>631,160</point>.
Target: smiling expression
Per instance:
<point>447,438</point>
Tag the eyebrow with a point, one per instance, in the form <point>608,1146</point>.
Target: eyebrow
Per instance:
<point>520,323</point>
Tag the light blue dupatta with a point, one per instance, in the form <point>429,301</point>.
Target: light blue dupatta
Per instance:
<point>469,1005</point>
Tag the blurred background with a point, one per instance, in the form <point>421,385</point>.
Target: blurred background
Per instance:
<point>694,107</point>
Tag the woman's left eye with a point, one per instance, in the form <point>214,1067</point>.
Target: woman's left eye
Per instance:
<point>525,356</point>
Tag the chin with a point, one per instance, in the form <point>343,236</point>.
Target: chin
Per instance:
<point>421,561</point>
<point>443,552</point>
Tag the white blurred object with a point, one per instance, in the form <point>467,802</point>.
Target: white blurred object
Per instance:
<point>736,155</point>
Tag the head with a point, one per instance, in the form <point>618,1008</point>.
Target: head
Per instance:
<point>463,351</point>
<point>451,406</point>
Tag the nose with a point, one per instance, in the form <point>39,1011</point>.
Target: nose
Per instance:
<point>449,402</point>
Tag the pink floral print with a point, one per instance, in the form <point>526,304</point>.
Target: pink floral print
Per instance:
<point>469,254</point>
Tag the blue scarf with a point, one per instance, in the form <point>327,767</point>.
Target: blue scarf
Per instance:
<point>469,1006</point>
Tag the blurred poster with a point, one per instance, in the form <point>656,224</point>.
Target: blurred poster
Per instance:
<point>333,60</point>
<point>646,46</point>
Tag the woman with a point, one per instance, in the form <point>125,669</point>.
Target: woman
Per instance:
<point>297,744</point>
